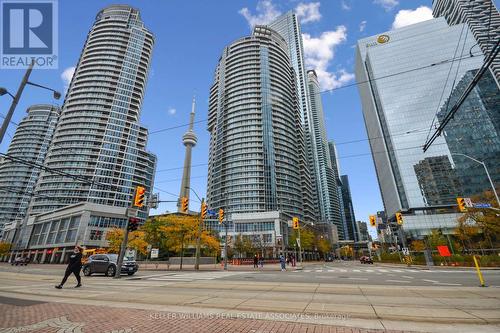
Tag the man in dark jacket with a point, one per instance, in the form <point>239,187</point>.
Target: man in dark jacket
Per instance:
<point>74,266</point>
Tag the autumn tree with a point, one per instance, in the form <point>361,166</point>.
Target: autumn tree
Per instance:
<point>136,241</point>
<point>417,245</point>
<point>324,246</point>
<point>4,248</point>
<point>181,232</point>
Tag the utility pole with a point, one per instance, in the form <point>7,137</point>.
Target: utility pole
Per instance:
<point>15,100</point>
<point>300,249</point>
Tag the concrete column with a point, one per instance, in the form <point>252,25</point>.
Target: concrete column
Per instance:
<point>36,255</point>
<point>12,256</point>
<point>44,255</point>
<point>63,254</point>
<point>52,257</point>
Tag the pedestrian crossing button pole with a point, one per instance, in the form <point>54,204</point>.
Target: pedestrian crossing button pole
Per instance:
<point>479,274</point>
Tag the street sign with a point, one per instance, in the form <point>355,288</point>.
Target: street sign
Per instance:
<point>405,251</point>
<point>298,242</point>
<point>131,253</point>
<point>132,212</point>
<point>154,253</point>
<point>444,251</point>
<point>468,203</point>
<point>149,247</point>
<point>481,205</point>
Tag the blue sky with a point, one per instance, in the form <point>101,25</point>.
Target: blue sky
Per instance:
<point>189,38</point>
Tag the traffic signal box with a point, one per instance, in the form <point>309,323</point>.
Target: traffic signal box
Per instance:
<point>140,195</point>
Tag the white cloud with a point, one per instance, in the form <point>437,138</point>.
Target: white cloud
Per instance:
<point>387,4</point>
<point>345,5</point>
<point>266,12</point>
<point>67,75</point>
<point>319,52</point>
<point>171,111</point>
<point>362,26</point>
<point>407,16</point>
<point>308,12</point>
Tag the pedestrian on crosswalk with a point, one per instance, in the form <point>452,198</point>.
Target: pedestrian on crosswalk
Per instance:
<point>74,266</point>
<point>282,263</point>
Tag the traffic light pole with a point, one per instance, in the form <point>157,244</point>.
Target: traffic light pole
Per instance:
<point>123,247</point>
<point>300,249</point>
<point>225,245</point>
<point>198,237</point>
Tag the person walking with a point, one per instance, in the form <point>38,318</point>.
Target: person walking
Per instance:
<point>74,266</point>
<point>282,262</point>
<point>255,261</point>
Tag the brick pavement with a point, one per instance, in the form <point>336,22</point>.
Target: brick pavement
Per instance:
<point>69,318</point>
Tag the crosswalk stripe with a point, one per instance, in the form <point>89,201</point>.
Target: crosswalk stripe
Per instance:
<point>397,270</point>
<point>383,270</point>
<point>356,270</point>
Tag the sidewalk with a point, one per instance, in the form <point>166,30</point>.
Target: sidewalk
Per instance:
<point>63,317</point>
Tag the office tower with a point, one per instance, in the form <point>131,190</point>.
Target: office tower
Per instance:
<point>328,194</point>
<point>404,80</point>
<point>351,231</point>
<point>288,26</point>
<point>28,147</point>
<point>342,224</point>
<point>255,136</point>
<point>189,140</point>
<point>483,19</point>
<point>99,136</point>
<point>364,235</point>
<point>474,131</point>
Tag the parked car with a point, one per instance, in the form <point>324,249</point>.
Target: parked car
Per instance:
<point>106,263</point>
<point>20,261</point>
<point>365,260</point>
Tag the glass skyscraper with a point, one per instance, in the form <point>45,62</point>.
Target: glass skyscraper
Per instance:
<point>475,132</point>
<point>404,77</point>
<point>29,144</point>
<point>256,133</point>
<point>288,26</point>
<point>483,19</point>
<point>327,190</point>
<point>98,135</point>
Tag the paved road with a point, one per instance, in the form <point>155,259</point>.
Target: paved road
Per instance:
<point>338,273</point>
<point>432,308</point>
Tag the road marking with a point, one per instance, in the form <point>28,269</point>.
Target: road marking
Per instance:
<point>319,270</point>
<point>308,271</point>
<point>343,270</point>
<point>398,281</point>
<point>353,278</point>
<point>331,270</point>
<point>448,284</point>
<point>407,277</point>
<point>356,270</point>
<point>397,270</point>
<point>382,270</point>
<point>369,270</point>
<point>432,281</point>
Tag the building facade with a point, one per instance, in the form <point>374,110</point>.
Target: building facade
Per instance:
<point>98,146</point>
<point>474,131</point>
<point>402,87</point>
<point>328,195</point>
<point>351,231</point>
<point>99,136</point>
<point>288,26</point>
<point>256,135</point>
<point>483,19</point>
<point>17,175</point>
<point>342,224</point>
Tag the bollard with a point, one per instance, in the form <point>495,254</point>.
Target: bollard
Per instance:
<point>479,274</point>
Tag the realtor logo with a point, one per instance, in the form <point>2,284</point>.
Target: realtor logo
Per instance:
<point>29,31</point>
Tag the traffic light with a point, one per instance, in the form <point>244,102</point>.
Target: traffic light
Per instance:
<point>133,224</point>
<point>140,194</point>
<point>295,221</point>
<point>204,210</point>
<point>184,204</point>
<point>461,205</point>
<point>221,215</point>
<point>373,220</point>
<point>399,218</point>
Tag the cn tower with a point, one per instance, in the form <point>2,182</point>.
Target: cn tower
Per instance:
<point>189,139</point>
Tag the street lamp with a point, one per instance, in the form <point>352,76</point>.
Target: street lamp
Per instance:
<point>17,96</point>
<point>487,174</point>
